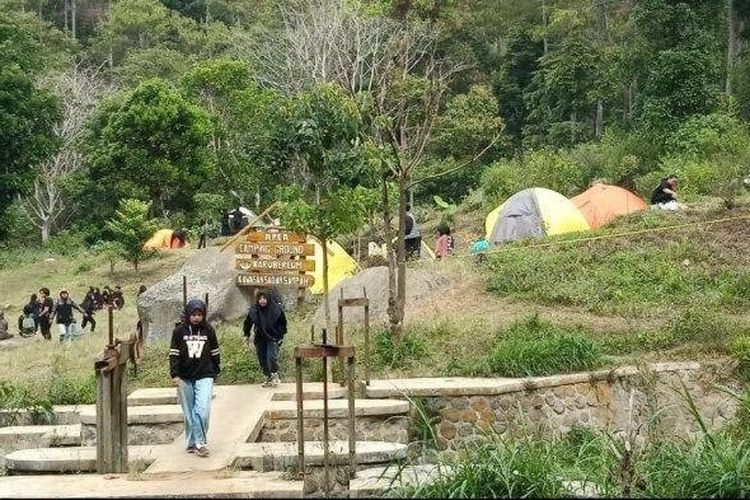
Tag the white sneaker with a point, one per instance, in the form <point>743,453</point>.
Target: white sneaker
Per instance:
<point>268,382</point>
<point>275,380</point>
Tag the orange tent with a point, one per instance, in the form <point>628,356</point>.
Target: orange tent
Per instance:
<point>601,203</point>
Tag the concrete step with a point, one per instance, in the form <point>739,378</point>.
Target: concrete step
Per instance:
<point>61,415</point>
<point>73,459</point>
<point>39,436</point>
<point>242,484</point>
<point>285,392</point>
<point>311,391</point>
<point>338,408</point>
<point>379,480</point>
<point>264,457</point>
<point>142,415</point>
<point>156,396</point>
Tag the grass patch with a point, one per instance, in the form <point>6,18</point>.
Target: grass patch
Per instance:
<point>532,347</point>
<point>634,274</point>
<point>391,354</point>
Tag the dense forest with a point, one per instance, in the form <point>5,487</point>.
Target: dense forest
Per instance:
<point>182,108</point>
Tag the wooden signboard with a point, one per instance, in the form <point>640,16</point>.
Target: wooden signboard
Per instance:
<point>276,249</point>
<point>275,257</point>
<point>244,263</point>
<point>281,236</point>
<point>257,279</point>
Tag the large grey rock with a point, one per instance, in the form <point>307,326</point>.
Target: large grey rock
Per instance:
<point>207,271</point>
<point>424,285</point>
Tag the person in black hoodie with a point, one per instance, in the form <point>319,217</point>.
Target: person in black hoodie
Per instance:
<point>63,313</point>
<point>89,307</point>
<point>194,363</point>
<point>46,305</point>
<point>267,321</point>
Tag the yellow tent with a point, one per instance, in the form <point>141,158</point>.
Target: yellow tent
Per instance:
<point>534,213</point>
<point>162,240</point>
<point>341,265</point>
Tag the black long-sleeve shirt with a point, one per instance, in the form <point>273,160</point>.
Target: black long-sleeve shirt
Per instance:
<point>194,352</point>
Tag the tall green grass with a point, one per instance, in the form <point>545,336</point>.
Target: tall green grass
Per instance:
<point>532,347</point>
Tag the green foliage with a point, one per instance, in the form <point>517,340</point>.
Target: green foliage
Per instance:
<point>555,170</point>
<point>131,227</point>
<point>65,389</point>
<point>717,467</point>
<point>740,349</point>
<point>13,399</point>
<point>533,348</point>
<point>398,355</point>
<point>150,144</point>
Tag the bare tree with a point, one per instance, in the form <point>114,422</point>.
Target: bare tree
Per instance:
<point>80,90</point>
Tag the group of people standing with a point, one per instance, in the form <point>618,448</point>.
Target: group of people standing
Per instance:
<point>41,311</point>
<point>195,359</point>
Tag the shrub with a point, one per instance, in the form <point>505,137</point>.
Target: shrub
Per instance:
<point>15,399</point>
<point>71,390</point>
<point>740,349</point>
<point>532,347</point>
<point>398,355</point>
<point>716,467</point>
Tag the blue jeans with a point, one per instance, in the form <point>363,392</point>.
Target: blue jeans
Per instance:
<point>195,398</point>
<point>268,356</point>
<point>67,331</point>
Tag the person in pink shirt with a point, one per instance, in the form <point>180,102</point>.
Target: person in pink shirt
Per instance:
<point>444,244</point>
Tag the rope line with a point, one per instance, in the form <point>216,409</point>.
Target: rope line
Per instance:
<point>605,236</point>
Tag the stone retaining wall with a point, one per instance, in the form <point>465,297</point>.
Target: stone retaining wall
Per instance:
<point>139,433</point>
<point>601,400</point>
<point>393,429</point>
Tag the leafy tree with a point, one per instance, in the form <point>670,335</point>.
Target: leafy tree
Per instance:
<point>150,143</point>
<point>131,227</point>
<point>27,119</point>
<point>326,204</point>
<point>111,251</point>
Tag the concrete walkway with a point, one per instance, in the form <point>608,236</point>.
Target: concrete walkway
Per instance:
<point>244,484</point>
<point>236,414</point>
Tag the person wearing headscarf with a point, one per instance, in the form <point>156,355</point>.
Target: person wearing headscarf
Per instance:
<point>194,364</point>
<point>267,321</point>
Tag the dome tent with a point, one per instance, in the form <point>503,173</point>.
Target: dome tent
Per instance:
<point>602,202</point>
<point>533,213</point>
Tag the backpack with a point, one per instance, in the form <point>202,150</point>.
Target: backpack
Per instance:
<point>28,322</point>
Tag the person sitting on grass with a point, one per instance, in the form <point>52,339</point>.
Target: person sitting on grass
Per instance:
<point>665,194</point>
<point>194,364</point>
<point>4,335</point>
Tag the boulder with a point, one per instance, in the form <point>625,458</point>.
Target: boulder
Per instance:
<point>424,286</point>
<point>207,271</point>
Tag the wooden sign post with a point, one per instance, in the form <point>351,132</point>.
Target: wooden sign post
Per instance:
<point>275,257</point>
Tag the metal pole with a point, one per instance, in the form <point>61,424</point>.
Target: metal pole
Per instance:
<point>184,291</point>
<point>352,429</point>
<point>111,334</point>
<point>300,420</point>
<point>325,422</point>
<point>367,337</point>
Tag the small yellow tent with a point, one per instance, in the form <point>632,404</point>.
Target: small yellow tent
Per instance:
<point>162,240</point>
<point>341,265</point>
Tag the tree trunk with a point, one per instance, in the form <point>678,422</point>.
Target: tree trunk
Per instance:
<point>599,124</point>
<point>73,10</point>
<point>572,127</point>
<point>135,265</point>
<point>46,227</point>
<point>544,26</point>
<point>731,44</point>
<point>397,320</point>
<point>65,13</point>
<point>390,254</point>
<point>324,244</point>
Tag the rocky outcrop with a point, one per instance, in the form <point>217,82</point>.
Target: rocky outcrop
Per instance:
<point>208,271</point>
